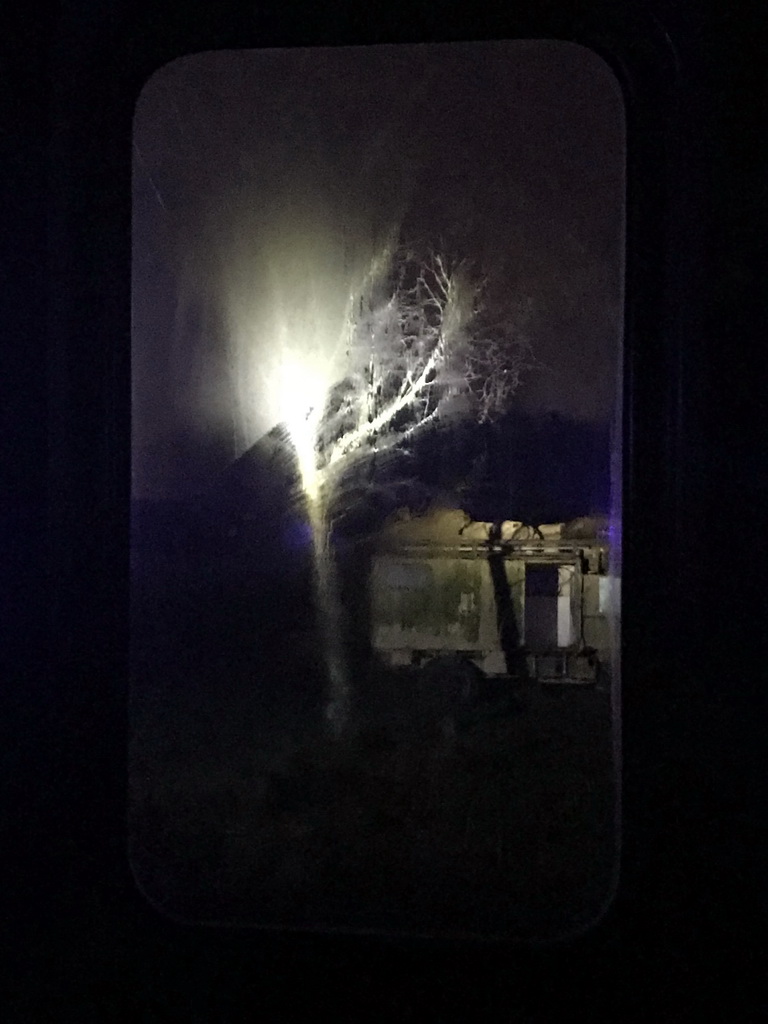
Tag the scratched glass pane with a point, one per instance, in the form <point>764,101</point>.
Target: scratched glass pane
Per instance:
<point>377,328</point>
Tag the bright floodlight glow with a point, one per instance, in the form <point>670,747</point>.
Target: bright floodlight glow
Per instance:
<point>302,390</point>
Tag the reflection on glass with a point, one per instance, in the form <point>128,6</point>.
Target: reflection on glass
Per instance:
<point>376,323</point>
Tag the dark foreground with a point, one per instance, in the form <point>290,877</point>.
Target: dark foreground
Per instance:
<point>427,818</point>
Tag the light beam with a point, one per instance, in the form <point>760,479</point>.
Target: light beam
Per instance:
<point>302,390</point>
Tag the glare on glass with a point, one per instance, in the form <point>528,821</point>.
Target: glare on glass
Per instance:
<point>376,332</point>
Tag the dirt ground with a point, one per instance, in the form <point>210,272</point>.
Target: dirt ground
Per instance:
<point>495,820</point>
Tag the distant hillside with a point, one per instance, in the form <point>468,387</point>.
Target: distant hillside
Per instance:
<point>535,469</point>
<point>540,469</point>
<point>245,525</point>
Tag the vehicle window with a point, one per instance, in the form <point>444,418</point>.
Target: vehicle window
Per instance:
<point>377,303</point>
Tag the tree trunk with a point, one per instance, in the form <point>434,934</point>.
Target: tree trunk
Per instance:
<point>509,632</point>
<point>330,619</point>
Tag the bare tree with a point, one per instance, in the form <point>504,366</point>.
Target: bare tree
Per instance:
<point>425,343</point>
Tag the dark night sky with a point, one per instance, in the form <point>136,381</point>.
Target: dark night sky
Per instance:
<point>292,165</point>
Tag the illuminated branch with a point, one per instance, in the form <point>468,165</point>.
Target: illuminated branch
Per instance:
<point>405,342</point>
<point>421,339</point>
<point>418,340</point>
